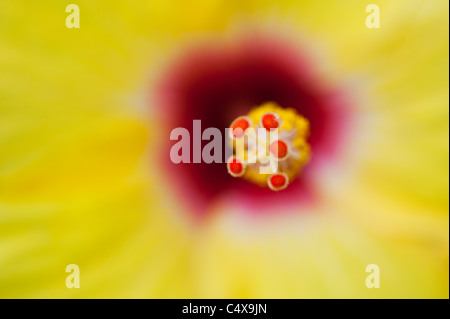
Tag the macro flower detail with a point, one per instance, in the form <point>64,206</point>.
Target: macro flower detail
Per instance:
<point>86,176</point>
<point>235,167</point>
<point>271,152</point>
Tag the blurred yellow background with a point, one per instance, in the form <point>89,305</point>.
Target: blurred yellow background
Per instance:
<point>79,133</point>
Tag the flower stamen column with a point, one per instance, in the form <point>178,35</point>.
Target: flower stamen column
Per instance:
<point>283,146</point>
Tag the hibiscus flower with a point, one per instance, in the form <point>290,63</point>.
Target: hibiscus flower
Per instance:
<point>86,176</point>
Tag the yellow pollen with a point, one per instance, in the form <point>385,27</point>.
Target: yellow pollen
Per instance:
<point>256,146</point>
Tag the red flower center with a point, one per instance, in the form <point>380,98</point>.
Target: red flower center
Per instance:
<point>216,84</point>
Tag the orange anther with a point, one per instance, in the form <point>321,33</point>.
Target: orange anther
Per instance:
<point>235,167</point>
<point>278,181</point>
<point>239,126</point>
<point>270,121</point>
<point>279,149</point>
